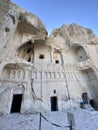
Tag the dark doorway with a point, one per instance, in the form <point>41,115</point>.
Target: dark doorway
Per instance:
<point>85,98</point>
<point>16,103</point>
<point>54,104</point>
<point>94,104</point>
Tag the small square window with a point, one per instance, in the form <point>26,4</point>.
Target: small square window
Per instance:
<point>41,56</point>
<point>54,91</point>
<point>57,61</point>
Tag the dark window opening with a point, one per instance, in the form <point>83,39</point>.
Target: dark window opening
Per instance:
<point>29,50</point>
<point>85,98</point>
<point>57,61</point>
<point>29,43</point>
<point>54,105</point>
<point>94,104</point>
<point>41,56</point>
<point>16,103</point>
<point>29,59</point>
<point>7,29</point>
<point>54,91</point>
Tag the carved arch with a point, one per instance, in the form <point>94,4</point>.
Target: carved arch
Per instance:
<point>18,89</point>
<point>77,53</point>
<point>57,57</point>
<point>26,51</point>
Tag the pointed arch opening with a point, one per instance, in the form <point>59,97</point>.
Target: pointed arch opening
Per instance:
<point>77,53</point>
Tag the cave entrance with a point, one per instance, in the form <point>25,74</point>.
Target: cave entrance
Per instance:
<point>54,104</point>
<point>16,103</point>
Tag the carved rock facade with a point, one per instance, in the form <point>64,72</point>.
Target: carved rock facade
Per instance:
<point>41,73</point>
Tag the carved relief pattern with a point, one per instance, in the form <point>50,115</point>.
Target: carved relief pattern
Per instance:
<point>15,75</point>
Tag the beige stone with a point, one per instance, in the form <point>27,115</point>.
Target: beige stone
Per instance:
<point>45,73</point>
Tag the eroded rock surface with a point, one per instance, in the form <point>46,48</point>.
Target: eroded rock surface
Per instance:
<point>41,73</point>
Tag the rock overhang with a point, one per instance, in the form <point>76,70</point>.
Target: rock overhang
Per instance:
<point>27,22</point>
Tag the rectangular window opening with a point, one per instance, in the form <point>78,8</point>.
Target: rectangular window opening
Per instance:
<point>41,56</point>
<point>57,61</point>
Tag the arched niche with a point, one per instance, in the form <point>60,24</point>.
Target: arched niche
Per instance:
<point>18,89</point>
<point>77,53</point>
<point>81,54</point>
<point>92,86</point>
<point>91,81</point>
<point>57,57</point>
<point>13,71</point>
<point>6,72</point>
<point>26,51</point>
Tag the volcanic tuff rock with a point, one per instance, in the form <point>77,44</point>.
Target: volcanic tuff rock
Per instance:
<point>45,73</point>
<point>74,34</point>
<point>16,19</point>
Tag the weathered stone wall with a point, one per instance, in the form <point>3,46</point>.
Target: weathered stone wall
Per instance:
<point>18,28</point>
<point>4,7</point>
<point>45,70</point>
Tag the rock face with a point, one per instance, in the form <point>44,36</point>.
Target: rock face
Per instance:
<point>41,73</point>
